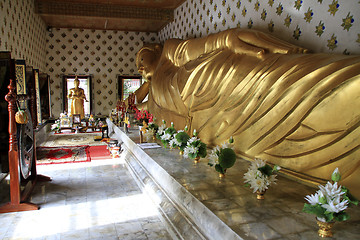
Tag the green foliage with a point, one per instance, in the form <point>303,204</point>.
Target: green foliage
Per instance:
<point>153,126</point>
<point>348,196</point>
<point>182,137</point>
<point>202,150</point>
<point>219,169</point>
<point>266,170</point>
<point>314,209</point>
<point>164,142</point>
<point>341,216</point>
<point>158,136</point>
<point>321,212</point>
<point>227,158</point>
<point>170,130</point>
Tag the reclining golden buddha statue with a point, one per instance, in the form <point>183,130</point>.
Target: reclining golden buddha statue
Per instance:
<point>293,108</point>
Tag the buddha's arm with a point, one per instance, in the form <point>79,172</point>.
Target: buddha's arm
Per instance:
<point>70,94</point>
<point>142,91</point>
<point>82,95</point>
<point>240,41</point>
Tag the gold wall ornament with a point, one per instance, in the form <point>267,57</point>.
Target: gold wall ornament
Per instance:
<point>298,110</point>
<point>20,77</point>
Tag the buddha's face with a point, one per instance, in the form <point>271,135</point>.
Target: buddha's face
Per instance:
<point>76,83</point>
<point>146,64</point>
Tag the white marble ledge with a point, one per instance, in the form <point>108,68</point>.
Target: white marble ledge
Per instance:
<point>278,216</point>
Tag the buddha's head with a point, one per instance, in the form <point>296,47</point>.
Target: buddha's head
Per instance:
<point>147,59</point>
<point>76,82</point>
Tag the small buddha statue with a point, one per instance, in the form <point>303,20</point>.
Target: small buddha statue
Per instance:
<point>77,97</point>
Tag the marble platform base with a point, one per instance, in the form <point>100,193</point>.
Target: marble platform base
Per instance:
<point>197,204</point>
<point>185,216</point>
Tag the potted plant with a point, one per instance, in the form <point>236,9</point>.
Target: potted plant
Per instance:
<point>168,134</point>
<point>142,116</point>
<point>180,140</point>
<point>260,176</point>
<point>329,204</point>
<point>195,149</point>
<point>161,130</point>
<point>222,157</point>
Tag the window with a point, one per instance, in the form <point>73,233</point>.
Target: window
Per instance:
<point>127,85</point>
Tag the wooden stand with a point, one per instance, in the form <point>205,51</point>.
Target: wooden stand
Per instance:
<point>18,198</point>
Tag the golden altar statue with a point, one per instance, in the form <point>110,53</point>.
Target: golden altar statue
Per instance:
<point>77,97</point>
<point>280,103</point>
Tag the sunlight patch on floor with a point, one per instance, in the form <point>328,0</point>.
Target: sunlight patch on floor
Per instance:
<point>55,220</point>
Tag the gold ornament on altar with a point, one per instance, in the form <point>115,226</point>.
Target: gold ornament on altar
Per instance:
<point>298,110</point>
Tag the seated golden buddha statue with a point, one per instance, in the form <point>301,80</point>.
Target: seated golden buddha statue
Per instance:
<point>77,97</point>
<point>280,103</point>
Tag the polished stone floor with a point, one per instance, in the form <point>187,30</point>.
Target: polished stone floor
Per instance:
<point>91,200</point>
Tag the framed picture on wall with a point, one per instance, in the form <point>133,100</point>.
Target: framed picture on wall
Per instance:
<point>38,101</point>
<point>76,119</point>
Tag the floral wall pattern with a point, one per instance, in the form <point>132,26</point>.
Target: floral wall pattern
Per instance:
<point>22,32</point>
<point>102,54</point>
<point>331,26</point>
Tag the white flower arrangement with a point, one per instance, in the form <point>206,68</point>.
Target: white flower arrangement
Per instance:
<point>223,157</point>
<point>194,147</point>
<point>260,175</point>
<point>330,201</point>
<point>167,135</point>
<point>174,142</point>
<point>161,130</point>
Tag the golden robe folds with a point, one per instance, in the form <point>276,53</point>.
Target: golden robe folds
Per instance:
<point>280,103</point>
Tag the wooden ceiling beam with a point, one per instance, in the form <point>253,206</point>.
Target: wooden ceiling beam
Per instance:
<point>102,10</point>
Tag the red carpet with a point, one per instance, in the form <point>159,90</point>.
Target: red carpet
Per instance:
<point>64,154</point>
<point>99,152</point>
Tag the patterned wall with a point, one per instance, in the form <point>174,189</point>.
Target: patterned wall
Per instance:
<point>321,25</point>
<point>102,54</point>
<point>23,33</point>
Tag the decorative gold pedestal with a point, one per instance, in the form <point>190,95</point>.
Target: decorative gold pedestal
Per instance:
<point>325,228</point>
<point>197,160</point>
<point>221,175</point>
<point>260,195</point>
<point>181,152</point>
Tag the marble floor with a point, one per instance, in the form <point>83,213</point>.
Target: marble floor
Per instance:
<point>91,200</point>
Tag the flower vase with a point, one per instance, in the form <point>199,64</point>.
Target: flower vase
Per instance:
<point>181,152</point>
<point>222,175</point>
<point>197,159</point>
<point>325,228</point>
<point>260,195</point>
